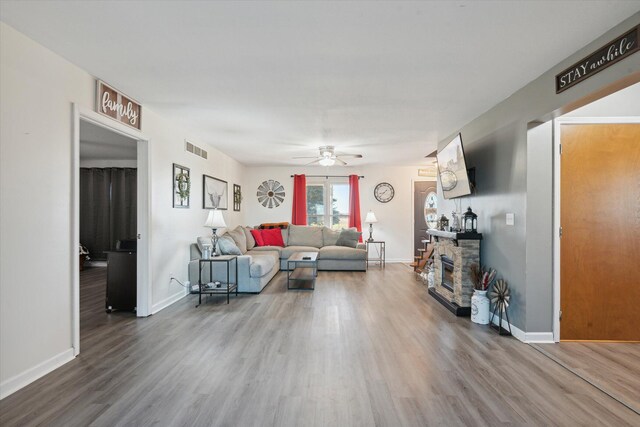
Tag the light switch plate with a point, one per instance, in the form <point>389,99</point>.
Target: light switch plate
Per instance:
<point>510,219</point>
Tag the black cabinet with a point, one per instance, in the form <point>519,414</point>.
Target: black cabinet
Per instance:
<point>121,281</point>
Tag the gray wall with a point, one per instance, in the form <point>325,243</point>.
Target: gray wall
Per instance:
<point>515,175</point>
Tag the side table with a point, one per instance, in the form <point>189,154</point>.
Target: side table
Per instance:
<point>380,245</point>
<point>223,287</point>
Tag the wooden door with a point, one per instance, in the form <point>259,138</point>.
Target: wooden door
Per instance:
<point>600,243</point>
<point>423,210</point>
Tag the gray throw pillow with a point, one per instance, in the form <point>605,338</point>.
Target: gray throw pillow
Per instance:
<point>329,236</point>
<point>349,238</point>
<point>227,246</point>
<point>251,242</point>
<point>237,234</point>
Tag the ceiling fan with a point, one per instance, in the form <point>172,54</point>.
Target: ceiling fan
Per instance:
<point>328,157</point>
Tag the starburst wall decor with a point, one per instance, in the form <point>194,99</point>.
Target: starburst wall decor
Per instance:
<point>270,194</point>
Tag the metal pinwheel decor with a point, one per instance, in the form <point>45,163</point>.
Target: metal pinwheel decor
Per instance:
<point>270,194</point>
<point>499,297</point>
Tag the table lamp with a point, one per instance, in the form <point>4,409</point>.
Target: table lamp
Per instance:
<point>214,221</point>
<point>370,219</point>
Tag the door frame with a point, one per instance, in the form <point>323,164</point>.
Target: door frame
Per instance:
<point>413,201</point>
<point>557,123</point>
<point>144,289</point>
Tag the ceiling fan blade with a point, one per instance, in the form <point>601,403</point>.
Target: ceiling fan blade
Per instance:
<point>315,161</point>
<point>353,156</point>
<point>432,154</point>
<point>342,162</point>
<point>306,157</point>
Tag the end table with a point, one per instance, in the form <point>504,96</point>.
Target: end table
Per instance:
<point>224,287</point>
<point>381,248</point>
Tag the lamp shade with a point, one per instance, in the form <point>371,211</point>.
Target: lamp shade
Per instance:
<point>371,217</point>
<point>215,219</point>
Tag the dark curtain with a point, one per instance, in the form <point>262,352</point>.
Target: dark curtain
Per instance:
<point>108,210</point>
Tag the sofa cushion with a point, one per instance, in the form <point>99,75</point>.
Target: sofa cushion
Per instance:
<point>286,252</point>
<point>237,234</point>
<point>349,238</point>
<point>329,236</point>
<point>251,242</point>
<point>300,235</point>
<point>261,265</point>
<point>227,246</point>
<point>204,240</point>
<point>272,237</point>
<point>260,249</point>
<point>342,252</point>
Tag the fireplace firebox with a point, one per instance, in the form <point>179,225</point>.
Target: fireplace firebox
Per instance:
<point>447,272</point>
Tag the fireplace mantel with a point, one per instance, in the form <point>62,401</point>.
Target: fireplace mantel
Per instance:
<point>453,235</point>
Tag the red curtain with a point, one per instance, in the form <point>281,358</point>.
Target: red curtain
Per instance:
<point>299,214</point>
<point>354,203</point>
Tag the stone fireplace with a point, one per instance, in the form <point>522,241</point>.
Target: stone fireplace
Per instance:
<point>453,256</point>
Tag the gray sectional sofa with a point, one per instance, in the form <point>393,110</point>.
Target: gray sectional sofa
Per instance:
<point>259,264</point>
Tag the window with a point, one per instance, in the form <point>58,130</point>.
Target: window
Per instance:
<point>328,204</point>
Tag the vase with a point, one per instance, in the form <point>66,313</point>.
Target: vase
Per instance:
<point>431,278</point>
<point>480,307</point>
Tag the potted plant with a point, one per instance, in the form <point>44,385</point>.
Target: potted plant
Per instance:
<point>482,278</point>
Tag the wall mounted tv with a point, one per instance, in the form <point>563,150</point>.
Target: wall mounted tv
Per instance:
<point>452,170</point>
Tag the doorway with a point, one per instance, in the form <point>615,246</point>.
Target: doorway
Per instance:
<point>136,145</point>
<point>425,212</point>
<point>599,235</point>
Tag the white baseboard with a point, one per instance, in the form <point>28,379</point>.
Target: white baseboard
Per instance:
<point>398,261</point>
<point>526,337</point>
<point>19,381</point>
<point>540,337</point>
<point>168,301</point>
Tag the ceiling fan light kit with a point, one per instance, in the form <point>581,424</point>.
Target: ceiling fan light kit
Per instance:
<point>329,157</point>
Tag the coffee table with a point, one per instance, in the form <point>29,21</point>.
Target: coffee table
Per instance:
<point>302,268</point>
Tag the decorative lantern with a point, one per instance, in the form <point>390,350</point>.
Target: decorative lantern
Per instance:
<point>443,223</point>
<point>470,221</point>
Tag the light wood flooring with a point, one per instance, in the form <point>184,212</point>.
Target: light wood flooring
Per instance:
<point>613,367</point>
<point>362,349</point>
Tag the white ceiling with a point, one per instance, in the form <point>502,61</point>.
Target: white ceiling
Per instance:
<point>266,81</point>
<point>98,143</point>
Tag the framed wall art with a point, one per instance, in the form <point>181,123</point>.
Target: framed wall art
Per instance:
<point>237,197</point>
<point>215,193</point>
<point>181,186</point>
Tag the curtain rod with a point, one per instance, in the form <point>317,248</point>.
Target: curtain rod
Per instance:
<point>330,176</point>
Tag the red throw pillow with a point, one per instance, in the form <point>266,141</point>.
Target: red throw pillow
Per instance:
<point>257,235</point>
<point>272,237</point>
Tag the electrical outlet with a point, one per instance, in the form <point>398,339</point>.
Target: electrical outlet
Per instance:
<point>510,220</point>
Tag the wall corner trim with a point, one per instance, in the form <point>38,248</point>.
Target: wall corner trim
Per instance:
<point>168,301</point>
<point>19,381</point>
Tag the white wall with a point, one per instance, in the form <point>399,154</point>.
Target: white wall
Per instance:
<point>395,219</point>
<point>38,89</point>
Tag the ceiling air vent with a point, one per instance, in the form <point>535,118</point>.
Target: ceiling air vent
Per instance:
<point>194,149</point>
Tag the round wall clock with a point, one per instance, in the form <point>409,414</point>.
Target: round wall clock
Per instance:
<point>384,192</point>
<point>448,179</point>
<point>270,194</point>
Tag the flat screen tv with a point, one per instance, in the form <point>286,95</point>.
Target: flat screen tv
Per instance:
<point>452,170</point>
